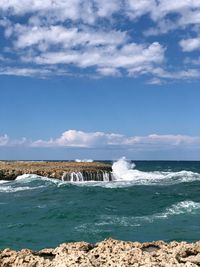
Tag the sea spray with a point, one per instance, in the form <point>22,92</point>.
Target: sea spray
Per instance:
<point>124,174</point>
<point>125,171</point>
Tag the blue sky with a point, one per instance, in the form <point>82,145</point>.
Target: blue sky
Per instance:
<point>99,79</point>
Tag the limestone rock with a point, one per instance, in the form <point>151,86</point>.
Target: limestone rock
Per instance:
<point>9,170</point>
<point>108,253</point>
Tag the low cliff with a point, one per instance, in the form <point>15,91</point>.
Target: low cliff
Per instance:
<point>9,170</point>
<point>108,253</point>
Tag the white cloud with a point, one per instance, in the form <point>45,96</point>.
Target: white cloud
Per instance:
<point>189,45</point>
<point>4,140</point>
<point>26,72</point>
<point>155,81</point>
<point>176,75</point>
<point>74,138</point>
<point>136,9</point>
<point>170,15</point>
<point>86,34</point>
<point>2,58</point>
<point>165,7</point>
<point>89,11</point>
<point>195,61</point>
<point>80,139</point>
<point>44,37</point>
<point>107,8</point>
<point>105,50</point>
<point>108,58</point>
<point>109,71</point>
<point>55,11</point>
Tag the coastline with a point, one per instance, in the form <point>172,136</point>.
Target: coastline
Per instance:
<point>109,252</point>
<point>10,170</point>
<point>35,206</point>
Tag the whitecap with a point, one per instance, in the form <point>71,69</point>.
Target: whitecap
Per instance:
<point>4,181</point>
<point>125,172</point>
<point>11,189</point>
<point>180,208</point>
<point>26,178</point>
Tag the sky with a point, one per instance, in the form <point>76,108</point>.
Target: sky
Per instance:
<point>99,79</point>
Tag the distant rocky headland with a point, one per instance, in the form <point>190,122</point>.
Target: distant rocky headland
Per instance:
<point>68,171</point>
<point>108,253</point>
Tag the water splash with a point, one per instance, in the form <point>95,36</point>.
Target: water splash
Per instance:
<point>87,176</point>
<point>124,171</point>
<point>84,160</point>
<point>76,177</point>
<point>124,174</point>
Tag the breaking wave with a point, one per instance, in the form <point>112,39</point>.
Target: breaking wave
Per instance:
<point>26,178</point>
<point>124,171</point>
<point>12,189</point>
<point>124,174</point>
<point>27,182</point>
<point>185,208</point>
<point>180,208</point>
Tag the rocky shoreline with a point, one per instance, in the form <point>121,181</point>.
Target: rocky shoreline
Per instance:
<point>9,170</point>
<point>108,253</point>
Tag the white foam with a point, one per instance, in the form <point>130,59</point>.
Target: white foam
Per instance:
<point>11,189</point>
<point>183,207</point>
<point>3,181</point>
<point>26,178</point>
<point>21,183</point>
<point>84,160</point>
<point>123,171</point>
<point>124,174</point>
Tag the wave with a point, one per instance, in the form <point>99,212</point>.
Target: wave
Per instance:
<point>11,189</point>
<point>27,182</point>
<point>26,178</point>
<point>124,174</point>
<point>3,181</point>
<point>124,171</point>
<point>180,208</point>
<point>177,209</point>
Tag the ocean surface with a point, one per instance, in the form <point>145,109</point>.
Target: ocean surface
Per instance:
<point>147,200</point>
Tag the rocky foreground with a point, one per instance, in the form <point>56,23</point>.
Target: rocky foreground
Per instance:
<point>9,170</point>
<point>108,253</point>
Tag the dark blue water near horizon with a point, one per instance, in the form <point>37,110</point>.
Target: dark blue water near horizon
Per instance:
<point>153,200</point>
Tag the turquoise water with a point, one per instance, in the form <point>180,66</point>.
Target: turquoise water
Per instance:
<point>155,200</point>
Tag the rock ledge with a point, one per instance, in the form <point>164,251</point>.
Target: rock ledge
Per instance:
<point>108,253</point>
<point>9,170</point>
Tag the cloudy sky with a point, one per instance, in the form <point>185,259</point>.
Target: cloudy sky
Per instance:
<point>99,79</point>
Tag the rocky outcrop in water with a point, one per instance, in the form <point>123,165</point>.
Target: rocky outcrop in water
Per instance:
<point>68,171</point>
<point>108,253</point>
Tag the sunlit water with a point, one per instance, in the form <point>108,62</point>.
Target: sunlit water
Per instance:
<point>146,201</point>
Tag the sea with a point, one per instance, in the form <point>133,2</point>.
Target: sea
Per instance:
<point>145,201</point>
